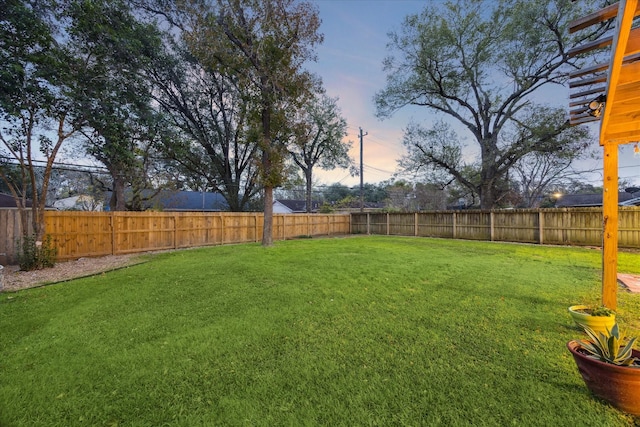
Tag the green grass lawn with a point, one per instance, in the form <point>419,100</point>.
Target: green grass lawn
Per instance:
<point>335,332</point>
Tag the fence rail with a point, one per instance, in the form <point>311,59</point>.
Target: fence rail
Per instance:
<point>90,234</point>
<point>570,226</point>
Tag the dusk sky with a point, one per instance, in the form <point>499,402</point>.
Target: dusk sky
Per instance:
<point>350,65</point>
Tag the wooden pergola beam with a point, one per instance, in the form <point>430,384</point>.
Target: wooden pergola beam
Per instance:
<point>582,120</point>
<point>598,68</point>
<point>594,18</point>
<point>588,47</point>
<point>596,90</point>
<point>598,78</point>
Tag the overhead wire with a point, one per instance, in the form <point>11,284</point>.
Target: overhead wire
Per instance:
<point>72,167</point>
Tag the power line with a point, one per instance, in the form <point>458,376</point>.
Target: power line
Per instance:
<point>379,142</point>
<point>373,139</point>
<point>72,167</point>
<point>378,169</point>
<point>348,175</point>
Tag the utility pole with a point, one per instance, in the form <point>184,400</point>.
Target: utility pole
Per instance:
<point>361,172</point>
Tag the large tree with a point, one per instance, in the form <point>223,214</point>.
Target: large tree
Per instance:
<point>264,43</point>
<point>36,77</point>
<point>318,140</point>
<point>114,94</point>
<point>538,175</point>
<point>478,63</point>
<point>437,154</point>
<point>209,110</point>
<point>336,192</point>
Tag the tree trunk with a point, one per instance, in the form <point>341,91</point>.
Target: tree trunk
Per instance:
<point>307,174</point>
<point>488,173</point>
<point>267,171</point>
<point>117,202</point>
<point>20,201</point>
<point>487,196</point>
<point>267,231</point>
<point>24,219</point>
<point>37,220</point>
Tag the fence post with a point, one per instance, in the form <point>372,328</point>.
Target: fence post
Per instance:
<point>255,222</point>
<point>283,227</point>
<point>388,230</point>
<point>368,224</point>
<point>222,229</point>
<point>455,218</point>
<point>491,227</point>
<point>540,227</point>
<point>350,223</point>
<point>175,231</point>
<point>415,224</point>
<point>112,222</point>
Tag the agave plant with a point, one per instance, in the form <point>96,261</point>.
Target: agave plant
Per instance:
<point>608,347</point>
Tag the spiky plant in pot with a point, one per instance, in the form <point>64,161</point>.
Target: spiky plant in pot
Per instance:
<point>609,347</point>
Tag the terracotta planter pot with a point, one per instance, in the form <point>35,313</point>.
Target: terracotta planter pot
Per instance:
<point>597,323</point>
<point>618,385</point>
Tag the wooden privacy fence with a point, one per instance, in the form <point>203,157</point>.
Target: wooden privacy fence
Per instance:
<point>88,234</point>
<point>80,234</point>
<point>571,226</point>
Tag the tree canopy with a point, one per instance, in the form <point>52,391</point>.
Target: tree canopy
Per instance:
<point>317,140</point>
<point>477,65</point>
<point>113,93</point>
<point>205,88</point>
<point>37,80</point>
<point>264,44</point>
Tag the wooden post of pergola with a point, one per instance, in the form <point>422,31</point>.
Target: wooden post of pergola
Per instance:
<point>610,226</point>
<point>616,104</point>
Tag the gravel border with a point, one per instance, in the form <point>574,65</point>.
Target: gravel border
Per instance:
<point>14,279</point>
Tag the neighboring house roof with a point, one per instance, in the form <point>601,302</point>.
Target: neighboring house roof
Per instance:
<point>294,206</point>
<point>7,201</point>
<point>80,202</point>
<point>190,201</point>
<point>587,200</point>
<point>176,201</point>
